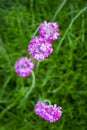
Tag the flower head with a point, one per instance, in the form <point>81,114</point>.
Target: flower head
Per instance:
<point>48,112</point>
<point>49,30</point>
<point>39,48</point>
<point>23,66</point>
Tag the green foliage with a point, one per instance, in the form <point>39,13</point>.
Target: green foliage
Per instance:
<point>61,78</point>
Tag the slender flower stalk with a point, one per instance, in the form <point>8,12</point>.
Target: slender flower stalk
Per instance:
<point>29,91</point>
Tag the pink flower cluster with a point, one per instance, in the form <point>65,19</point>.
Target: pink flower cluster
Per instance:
<point>23,66</point>
<point>40,46</point>
<point>48,112</point>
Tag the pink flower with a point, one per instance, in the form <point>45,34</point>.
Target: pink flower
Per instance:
<point>49,31</point>
<point>48,112</point>
<point>23,66</point>
<point>39,48</point>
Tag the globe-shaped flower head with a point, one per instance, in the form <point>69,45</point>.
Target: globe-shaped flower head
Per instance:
<point>48,112</point>
<point>39,48</point>
<point>23,66</point>
<point>49,31</point>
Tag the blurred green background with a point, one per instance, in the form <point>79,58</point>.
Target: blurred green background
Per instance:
<point>60,78</point>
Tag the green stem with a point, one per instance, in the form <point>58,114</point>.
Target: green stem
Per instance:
<point>30,89</point>
<point>32,86</point>
<point>47,101</point>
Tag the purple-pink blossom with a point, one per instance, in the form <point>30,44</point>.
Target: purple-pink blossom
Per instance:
<point>23,66</point>
<point>48,112</point>
<point>39,48</point>
<point>49,31</point>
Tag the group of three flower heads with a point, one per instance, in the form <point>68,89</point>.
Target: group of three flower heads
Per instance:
<point>39,48</point>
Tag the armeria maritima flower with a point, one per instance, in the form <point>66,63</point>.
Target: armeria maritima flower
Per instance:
<point>49,31</point>
<point>39,48</point>
<point>23,66</point>
<point>48,112</point>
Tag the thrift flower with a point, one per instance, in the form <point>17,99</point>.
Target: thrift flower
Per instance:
<point>48,112</point>
<point>49,31</point>
<point>23,66</point>
<point>39,48</point>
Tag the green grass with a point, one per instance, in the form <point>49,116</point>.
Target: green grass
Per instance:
<point>60,78</point>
